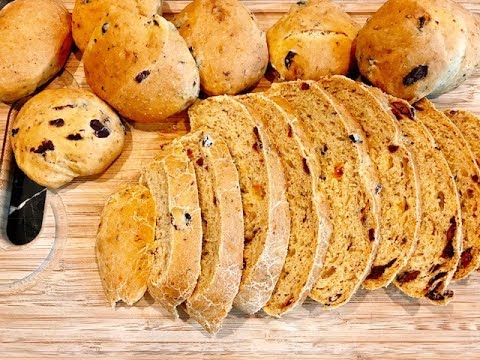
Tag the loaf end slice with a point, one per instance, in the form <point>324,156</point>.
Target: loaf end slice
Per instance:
<point>178,234</point>
<point>125,244</point>
<point>262,184</point>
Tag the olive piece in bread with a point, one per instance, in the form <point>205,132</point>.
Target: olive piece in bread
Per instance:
<point>61,134</point>
<point>141,66</point>
<point>35,41</point>
<point>229,47</point>
<point>312,40</point>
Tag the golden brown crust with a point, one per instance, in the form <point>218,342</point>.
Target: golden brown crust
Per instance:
<point>87,14</point>
<point>412,48</point>
<point>35,44</point>
<point>229,47</point>
<point>61,134</point>
<point>124,246</point>
<point>141,66</point>
<point>312,27</point>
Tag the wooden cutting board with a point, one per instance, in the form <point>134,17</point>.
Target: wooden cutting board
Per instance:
<point>65,312</point>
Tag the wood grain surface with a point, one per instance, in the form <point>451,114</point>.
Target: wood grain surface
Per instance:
<point>66,315</point>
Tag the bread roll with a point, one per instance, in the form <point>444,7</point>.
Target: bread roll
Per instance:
<point>312,40</point>
<point>65,133</point>
<point>141,66</point>
<point>35,41</point>
<point>412,48</point>
<point>225,40</point>
<point>87,14</point>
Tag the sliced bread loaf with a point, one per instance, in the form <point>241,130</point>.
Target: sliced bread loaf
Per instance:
<point>466,174</point>
<point>262,184</point>
<point>434,261</point>
<point>351,200</point>
<point>398,220</point>
<point>222,222</point>
<point>178,234</point>
<point>310,228</point>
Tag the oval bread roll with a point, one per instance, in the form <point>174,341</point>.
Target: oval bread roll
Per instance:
<point>87,14</point>
<point>125,245</point>
<point>411,48</point>
<point>35,41</point>
<point>225,40</point>
<point>312,40</point>
<point>65,133</point>
<point>141,66</point>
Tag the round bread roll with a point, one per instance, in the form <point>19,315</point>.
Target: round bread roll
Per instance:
<point>35,41</point>
<point>313,40</point>
<point>141,66</point>
<point>225,40</point>
<point>87,14</point>
<point>412,48</point>
<point>61,134</point>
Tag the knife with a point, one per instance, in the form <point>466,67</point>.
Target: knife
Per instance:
<point>3,3</point>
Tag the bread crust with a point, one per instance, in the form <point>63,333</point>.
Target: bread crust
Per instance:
<point>311,27</point>
<point>178,249</point>
<point>229,47</point>
<point>131,59</point>
<point>31,54</point>
<point>125,244</point>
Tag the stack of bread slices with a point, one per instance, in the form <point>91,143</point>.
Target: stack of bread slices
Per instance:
<point>310,189</point>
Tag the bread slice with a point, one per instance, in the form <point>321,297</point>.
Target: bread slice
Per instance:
<point>348,187</point>
<point>310,229</point>
<point>434,261</point>
<point>222,220</point>
<point>262,183</point>
<point>398,220</point>
<point>178,233</point>
<point>469,125</point>
<point>125,244</point>
<point>466,174</point>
